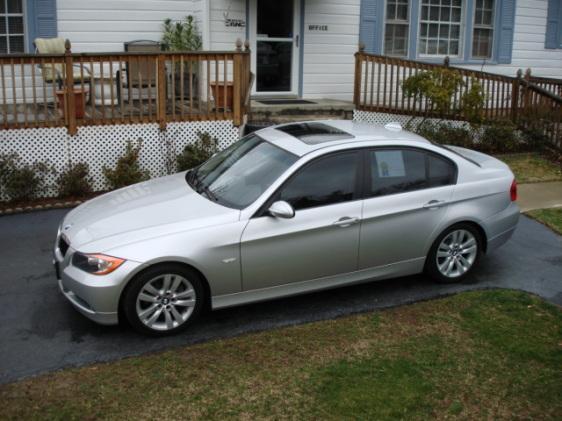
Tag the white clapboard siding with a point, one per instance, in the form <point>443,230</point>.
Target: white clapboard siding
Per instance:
<point>223,37</point>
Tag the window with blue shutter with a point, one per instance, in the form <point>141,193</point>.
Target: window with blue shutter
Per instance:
<point>469,31</point>
<point>554,24</point>
<point>41,20</point>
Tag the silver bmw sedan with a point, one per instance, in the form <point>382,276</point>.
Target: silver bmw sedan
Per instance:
<point>287,210</point>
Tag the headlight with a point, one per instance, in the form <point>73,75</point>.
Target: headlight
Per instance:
<point>96,264</point>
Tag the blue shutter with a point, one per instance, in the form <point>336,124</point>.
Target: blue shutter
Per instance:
<point>553,24</point>
<point>505,36</point>
<point>370,27</point>
<point>41,20</point>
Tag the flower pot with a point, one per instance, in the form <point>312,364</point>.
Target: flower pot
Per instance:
<point>79,101</point>
<point>223,97</point>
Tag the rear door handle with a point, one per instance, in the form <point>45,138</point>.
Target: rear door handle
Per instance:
<point>434,204</point>
<point>346,221</point>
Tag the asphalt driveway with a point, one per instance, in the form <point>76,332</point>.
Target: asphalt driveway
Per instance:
<point>41,332</point>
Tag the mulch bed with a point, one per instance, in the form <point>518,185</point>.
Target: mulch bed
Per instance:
<point>10,208</point>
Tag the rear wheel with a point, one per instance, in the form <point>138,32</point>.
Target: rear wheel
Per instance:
<point>164,300</point>
<point>454,253</point>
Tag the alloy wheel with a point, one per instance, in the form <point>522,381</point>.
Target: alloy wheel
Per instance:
<point>456,253</point>
<point>166,302</point>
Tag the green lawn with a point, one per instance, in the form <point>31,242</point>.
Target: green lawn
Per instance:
<point>489,354</point>
<point>532,168</point>
<point>552,218</point>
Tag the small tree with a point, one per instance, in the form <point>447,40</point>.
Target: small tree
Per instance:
<point>75,181</point>
<point>193,155</point>
<point>128,170</point>
<point>22,181</point>
<point>439,86</point>
<point>181,36</point>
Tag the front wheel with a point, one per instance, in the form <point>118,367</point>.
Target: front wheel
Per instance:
<point>163,300</point>
<point>454,253</point>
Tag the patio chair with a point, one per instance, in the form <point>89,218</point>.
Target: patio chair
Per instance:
<point>141,74</point>
<point>56,73</point>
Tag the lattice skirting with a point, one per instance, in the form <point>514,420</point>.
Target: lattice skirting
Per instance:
<point>100,146</point>
<point>385,118</point>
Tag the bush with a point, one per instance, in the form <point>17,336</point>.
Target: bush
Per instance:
<point>21,181</point>
<point>196,154</point>
<point>75,181</point>
<point>499,136</point>
<point>445,134</point>
<point>127,171</point>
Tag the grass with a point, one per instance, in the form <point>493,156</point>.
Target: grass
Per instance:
<point>487,354</point>
<point>532,168</point>
<point>552,218</point>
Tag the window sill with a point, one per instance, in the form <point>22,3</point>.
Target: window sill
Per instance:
<point>456,60</point>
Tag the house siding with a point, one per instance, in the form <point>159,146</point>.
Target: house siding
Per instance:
<point>104,25</point>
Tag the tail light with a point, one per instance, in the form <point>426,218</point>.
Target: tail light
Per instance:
<point>513,191</point>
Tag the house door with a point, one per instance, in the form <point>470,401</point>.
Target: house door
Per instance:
<point>275,37</point>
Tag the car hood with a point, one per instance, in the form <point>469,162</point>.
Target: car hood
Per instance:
<point>144,209</point>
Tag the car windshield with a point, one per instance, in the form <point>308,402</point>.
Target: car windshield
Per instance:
<point>240,174</point>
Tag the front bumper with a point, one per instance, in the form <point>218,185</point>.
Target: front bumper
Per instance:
<point>96,297</point>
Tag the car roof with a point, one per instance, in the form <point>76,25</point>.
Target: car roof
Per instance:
<point>308,136</point>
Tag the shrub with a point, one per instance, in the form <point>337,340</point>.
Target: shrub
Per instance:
<point>21,181</point>
<point>75,181</point>
<point>499,137</point>
<point>445,134</point>
<point>199,152</point>
<point>127,171</point>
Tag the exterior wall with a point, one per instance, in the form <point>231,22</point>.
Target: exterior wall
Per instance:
<point>329,62</point>
<point>528,44</point>
<point>104,25</point>
<point>221,36</point>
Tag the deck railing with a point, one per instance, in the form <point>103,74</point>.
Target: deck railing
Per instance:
<point>379,88</point>
<point>75,90</point>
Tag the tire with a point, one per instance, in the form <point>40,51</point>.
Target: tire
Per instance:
<point>459,248</point>
<point>164,300</point>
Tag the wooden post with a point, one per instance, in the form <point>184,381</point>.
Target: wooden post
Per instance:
<point>247,78</point>
<point>515,88</point>
<point>161,84</point>
<point>446,61</point>
<point>69,97</point>
<point>238,76</point>
<point>358,75</point>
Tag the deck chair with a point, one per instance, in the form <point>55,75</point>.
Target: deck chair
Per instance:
<point>139,75</point>
<point>56,73</point>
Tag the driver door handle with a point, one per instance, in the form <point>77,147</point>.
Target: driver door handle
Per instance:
<point>434,204</point>
<point>345,222</point>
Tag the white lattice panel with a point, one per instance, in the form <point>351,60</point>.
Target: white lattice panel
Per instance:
<point>385,118</point>
<point>100,146</point>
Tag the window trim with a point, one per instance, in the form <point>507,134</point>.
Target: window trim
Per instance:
<point>408,25</point>
<point>367,184</point>
<point>462,34</point>
<point>494,27</point>
<point>23,15</point>
<point>358,192</point>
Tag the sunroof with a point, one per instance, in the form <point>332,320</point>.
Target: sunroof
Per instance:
<point>314,133</point>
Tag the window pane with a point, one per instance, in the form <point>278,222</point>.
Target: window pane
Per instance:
<point>439,28</point>
<point>2,25</point>
<point>15,25</point>
<point>396,40</point>
<point>3,45</point>
<point>275,18</point>
<point>402,12</point>
<point>482,43</point>
<point>483,34</point>
<point>16,44</point>
<point>327,181</point>
<point>274,61</point>
<point>15,6</point>
<point>391,11</point>
<point>397,171</point>
<point>487,18</point>
<point>2,6</point>
<point>441,172</point>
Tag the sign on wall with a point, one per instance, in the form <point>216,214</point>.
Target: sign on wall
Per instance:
<point>318,28</point>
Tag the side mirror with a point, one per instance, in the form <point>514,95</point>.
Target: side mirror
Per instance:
<point>281,209</point>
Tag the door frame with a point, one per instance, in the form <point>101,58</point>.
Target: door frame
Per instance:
<point>297,47</point>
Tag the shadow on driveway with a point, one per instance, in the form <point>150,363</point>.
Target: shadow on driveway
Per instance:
<point>41,332</point>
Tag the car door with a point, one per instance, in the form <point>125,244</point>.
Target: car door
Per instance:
<point>406,197</point>
<point>322,239</point>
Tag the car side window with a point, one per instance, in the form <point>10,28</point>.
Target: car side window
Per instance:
<point>402,170</point>
<point>324,182</point>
